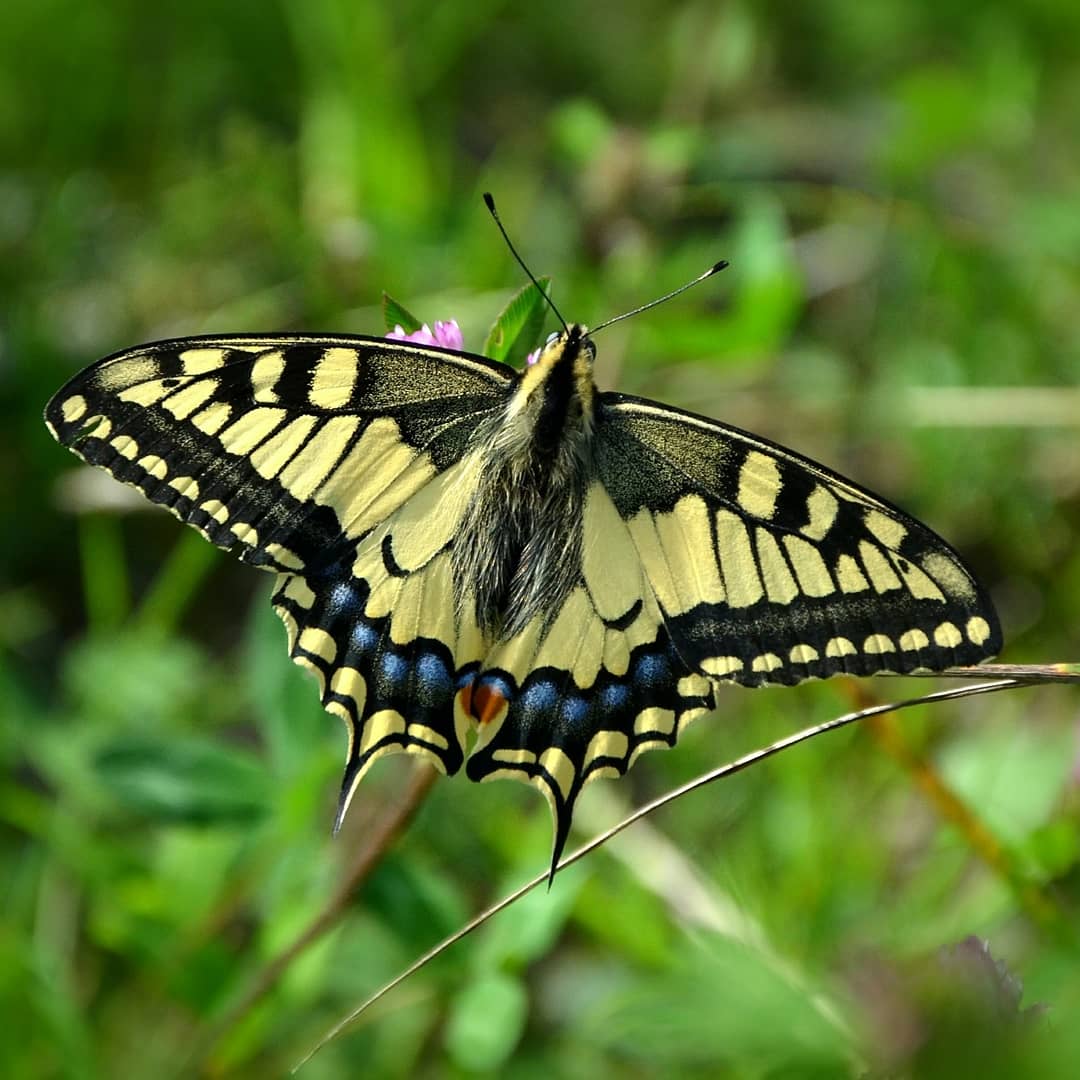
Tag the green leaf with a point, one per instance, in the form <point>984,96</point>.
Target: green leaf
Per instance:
<point>136,680</point>
<point>516,332</point>
<point>982,767</point>
<point>176,584</point>
<point>767,295</point>
<point>395,314</point>
<point>184,779</point>
<point>414,900</point>
<point>486,1021</point>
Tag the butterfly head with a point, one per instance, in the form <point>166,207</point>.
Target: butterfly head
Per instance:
<point>565,364</point>
<point>554,399</point>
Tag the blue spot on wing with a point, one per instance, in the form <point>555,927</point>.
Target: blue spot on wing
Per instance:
<point>394,668</point>
<point>345,599</point>
<point>652,669</point>
<point>434,684</point>
<point>574,710</point>
<point>364,637</point>
<point>432,672</point>
<point>539,697</point>
<point>615,696</point>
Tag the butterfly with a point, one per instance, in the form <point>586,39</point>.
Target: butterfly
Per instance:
<point>466,553</point>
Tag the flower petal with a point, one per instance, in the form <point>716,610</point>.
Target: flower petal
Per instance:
<point>446,334</point>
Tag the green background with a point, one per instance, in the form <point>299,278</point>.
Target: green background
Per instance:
<point>897,187</point>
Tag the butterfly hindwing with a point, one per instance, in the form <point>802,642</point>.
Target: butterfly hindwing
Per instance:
<point>383,635</point>
<point>580,694</point>
<point>770,568</point>
<point>329,461</point>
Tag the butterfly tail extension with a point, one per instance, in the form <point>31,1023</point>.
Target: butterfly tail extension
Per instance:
<point>561,706</point>
<point>394,696</point>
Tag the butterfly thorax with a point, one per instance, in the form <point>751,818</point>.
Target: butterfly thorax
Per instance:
<point>519,546</point>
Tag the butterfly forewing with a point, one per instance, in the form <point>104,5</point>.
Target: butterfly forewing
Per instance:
<point>293,452</point>
<point>769,568</point>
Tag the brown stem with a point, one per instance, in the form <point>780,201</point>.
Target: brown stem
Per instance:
<point>379,839</point>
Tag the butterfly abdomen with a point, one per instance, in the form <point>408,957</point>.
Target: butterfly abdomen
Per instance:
<point>517,554</point>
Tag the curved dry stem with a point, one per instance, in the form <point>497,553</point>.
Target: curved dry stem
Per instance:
<point>379,839</point>
<point>1003,676</point>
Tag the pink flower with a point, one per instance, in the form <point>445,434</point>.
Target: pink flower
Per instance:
<point>446,334</point>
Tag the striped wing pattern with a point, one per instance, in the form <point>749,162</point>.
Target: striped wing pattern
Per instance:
<point>582,695</point>
<point>324,460</point>
<point>771,569</point>
<point>708,555</point>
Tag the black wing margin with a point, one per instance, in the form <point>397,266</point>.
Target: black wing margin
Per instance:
<point>279,447</point>
<point>769,568</point>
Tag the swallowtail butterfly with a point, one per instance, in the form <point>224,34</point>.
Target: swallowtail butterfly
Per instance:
<point>467,551</point>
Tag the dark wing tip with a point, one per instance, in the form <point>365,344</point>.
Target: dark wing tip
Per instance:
<point>348,786</point>
<point>563,818</point>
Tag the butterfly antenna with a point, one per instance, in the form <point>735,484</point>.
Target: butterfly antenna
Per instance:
<point>490,203</point>
<point>714,269</point>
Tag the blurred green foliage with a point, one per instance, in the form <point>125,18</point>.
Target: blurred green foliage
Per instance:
<point>897,187</point>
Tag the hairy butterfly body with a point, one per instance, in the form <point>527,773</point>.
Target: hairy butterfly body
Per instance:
<point>464,548</point>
